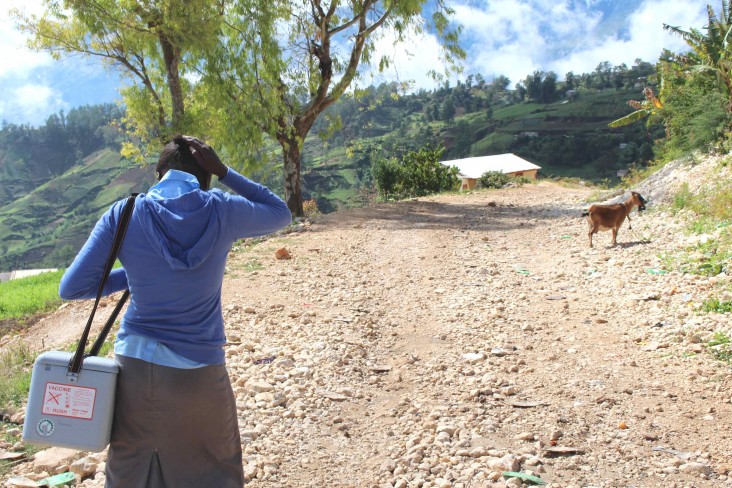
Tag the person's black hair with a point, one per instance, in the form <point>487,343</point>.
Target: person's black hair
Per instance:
<point>177,155</point>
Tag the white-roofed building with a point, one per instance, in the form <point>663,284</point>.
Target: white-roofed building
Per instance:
<point>471,169</point>
<point>23,273</point>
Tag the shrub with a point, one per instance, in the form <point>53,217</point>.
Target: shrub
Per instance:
<point>493,179</point>
<point>720,347</point>
<point>418,173</point>
<point>386,174</point>
<point>310,208</point>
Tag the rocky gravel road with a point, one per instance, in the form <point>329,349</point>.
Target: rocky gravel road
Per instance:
<point>445,341</point>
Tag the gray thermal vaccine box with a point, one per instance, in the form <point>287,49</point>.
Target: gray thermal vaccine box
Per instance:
<point>67,410</point>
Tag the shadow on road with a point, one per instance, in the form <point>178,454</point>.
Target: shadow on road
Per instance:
<point>489,216</point>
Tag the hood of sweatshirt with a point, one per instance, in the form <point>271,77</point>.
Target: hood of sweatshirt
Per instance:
<point>180,221</point>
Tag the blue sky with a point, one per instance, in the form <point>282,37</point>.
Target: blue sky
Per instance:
<point>502,37</point>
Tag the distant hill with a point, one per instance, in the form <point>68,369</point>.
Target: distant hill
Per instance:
<point>568,136</point>
<point>48,225</point>
<point>56,180</point>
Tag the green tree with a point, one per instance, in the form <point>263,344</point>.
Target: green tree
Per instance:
<point>694,111</point>
<point>520,92</point>
<point>300,58</point>
<point>386,175</point>
<point>533,85</point>
<point>155,44</point>
<point>447,112</point>
<point>549,87</point>
<point>500,83</point>
<point>258,66</point>
<point>644,109</point>
<point>417,173</point>
<point>711,52</point>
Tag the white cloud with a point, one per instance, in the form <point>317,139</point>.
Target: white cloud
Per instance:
<point>647,38</point>
<point>514,38</point>
<point>31,103</point>
<point>18,60</point>
<point>517,37</point>
<point>410,61</point>
<point>502,37</point>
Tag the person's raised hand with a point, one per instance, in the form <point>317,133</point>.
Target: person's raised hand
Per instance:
<point>206,157</point>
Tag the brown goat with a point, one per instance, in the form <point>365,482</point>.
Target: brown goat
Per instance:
<point>611,217</point>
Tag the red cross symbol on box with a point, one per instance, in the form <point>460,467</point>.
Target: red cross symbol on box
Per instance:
<point>53,398</point>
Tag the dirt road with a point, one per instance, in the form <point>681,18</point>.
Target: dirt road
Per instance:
<point>443,341</point>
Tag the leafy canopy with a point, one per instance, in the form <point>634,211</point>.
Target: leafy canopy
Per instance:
<point>418,173</point>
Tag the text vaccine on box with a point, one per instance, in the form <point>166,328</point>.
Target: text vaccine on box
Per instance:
<point>66,410</point>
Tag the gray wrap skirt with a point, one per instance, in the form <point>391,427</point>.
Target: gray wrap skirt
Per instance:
<point>174,428</point>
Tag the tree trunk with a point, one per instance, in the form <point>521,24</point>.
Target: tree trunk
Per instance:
<point>171,57</point>
<point>292,156</point>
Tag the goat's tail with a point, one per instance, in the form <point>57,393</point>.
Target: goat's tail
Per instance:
<point>585,213</point>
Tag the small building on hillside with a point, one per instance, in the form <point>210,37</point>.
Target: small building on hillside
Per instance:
<point>23,273</point>
<point>471,169</point>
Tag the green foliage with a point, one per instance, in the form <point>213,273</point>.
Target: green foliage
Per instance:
<point>46,226</point>
<point>683,198</point>
<point>153,43</point>
<point>28,449</point>
<point>418,173</point>
<point>710,204</point>
<point>17,363</point>
<point>707,258</point>
<point>696,86</point>
<point>386,174</point>
<point>695,115</point>
<point>28,296</point>
<point>720,346</point>
<point>283,40</point>
<point>709,54</point>
<point>106,349</point>
<point>715,305</point>
<point>252,265</point>
<point>638,173</point>
<point>493,179</point>
<point>32,154</point>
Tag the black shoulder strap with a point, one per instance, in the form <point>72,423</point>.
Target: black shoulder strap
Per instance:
<point>119,235</point>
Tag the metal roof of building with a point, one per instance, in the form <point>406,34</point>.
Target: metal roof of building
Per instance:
<point>477,166</point>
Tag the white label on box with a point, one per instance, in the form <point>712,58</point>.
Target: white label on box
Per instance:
<point>69,401</point>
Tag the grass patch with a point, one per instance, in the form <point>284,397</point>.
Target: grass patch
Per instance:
<point>637,174</point>
<point>715,305</point>
<point>251,265</point>
<point>710,205</point>
<point>106,348</point>
<point>29,296</point>
<point>17,364</point>
<point>707,225</point>
<point>719,346</point>
<point>28,449</point>
<point>708,258</point>
<point>683,199</point>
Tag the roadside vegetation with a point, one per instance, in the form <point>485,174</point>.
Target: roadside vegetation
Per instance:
<point>29,296</point>
<point>20,300</point>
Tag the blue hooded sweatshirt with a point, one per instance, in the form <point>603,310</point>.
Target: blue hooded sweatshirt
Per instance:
<point>173,258</point>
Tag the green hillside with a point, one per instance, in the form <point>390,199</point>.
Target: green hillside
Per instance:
<point>565,137</point>
<point>48,225</point>
<point>58,179</point>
